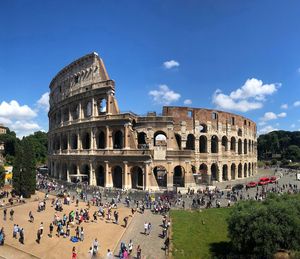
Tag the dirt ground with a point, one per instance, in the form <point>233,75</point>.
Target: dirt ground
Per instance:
<point>107,233</point>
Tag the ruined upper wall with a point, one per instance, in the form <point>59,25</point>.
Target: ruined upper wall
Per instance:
<point>214,117</point>
<point>84,71</point>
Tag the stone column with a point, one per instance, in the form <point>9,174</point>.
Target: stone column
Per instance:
<point>125,174</point>
<point>92,107</point>
<point>79,146</point>
<point>92,175</point>
<point>68,173</point>
<point>79,111</point>
<point>229,172</point>
<point>146,176</point>
<point>220,173</point>
<point>108,97</point>
<point>108,175</point>
<point>108,146</point>
<point>170,174</point>
<point>126,136</point>
<point>68,141</point>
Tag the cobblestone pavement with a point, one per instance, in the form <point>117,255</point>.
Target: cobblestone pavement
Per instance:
<point>151,244</point>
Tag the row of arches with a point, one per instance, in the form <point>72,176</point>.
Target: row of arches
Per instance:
<point>85,109</point>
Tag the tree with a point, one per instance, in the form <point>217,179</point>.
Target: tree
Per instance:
<point>2,176</point>
<point>292,153</point>
<point>24,174</point>
<point>260,229</point>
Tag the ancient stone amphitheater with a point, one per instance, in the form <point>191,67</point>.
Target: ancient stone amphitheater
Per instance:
<point>91,140</point>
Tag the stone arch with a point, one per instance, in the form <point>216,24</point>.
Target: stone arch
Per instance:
<point>85,173</point>
<point>245,146</point>
<point>57,170</point>
<point>160,138</point>
<point>102,106</point>
<point>137,178</point>
<point>240,148</point>
<point>64,169</point>
<point>178,140</point>
<point>240,132</point>
<point>57,143</point>
<point>74,141</point>
<point>224,143</point>
<point>249,146</point>
<point>100,139</point>
<point>225,173</point>
<point>160,174</point>
<point>245,170</point>
<point>73,172</point>
<point>142,140</point>
<point>117,177</point>
<point>86,140</point>
<point>190,142</point>
<point>204,173</point>
<point>178,176</point>
<point>87,109</point>
<point>233,173</point>
<point>240,170</point>
<point>66,114</point>
<point>118,139</point>
<point>203,128</point>
<point>214,144</point>
<point>203,144</point>
<point>75,111</point>
<point>233,144</point>
<point>100,176</point>
<point>214,172</point>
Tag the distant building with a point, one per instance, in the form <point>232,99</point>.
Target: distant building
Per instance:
<point>91,140</point>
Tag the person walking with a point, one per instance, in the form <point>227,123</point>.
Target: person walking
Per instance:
<point>21,239</point>
<point>81,234</point>
<point>145,228</point>
<point>130,246</point>
<point>125,221</point>
<point>12,214</point>
<point>95,246</point>
<point>149,228</point>
<point>109,254</point>
<point>51,227</point>
<point>38,236</point>
<point>15,231</point>
<point>4,214</point>
<point>138,252</point>
<point>74,253</point>
<point>31,218</point>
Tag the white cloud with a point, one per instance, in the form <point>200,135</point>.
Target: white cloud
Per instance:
<point>293,125</point>
<point>281,115</point>
<point>13,110</point>
<point>269,116</point>
<point>170,64</point>
<point>187,102</point>
<point>25,127</point>
<point>164,95</point>
<point>262,123</point>
<point>43,102</point>
<point>297,103</point>
<point>266,129</point>
<point>284,106</point>
<point>249,97</point>
<point>298,70</point>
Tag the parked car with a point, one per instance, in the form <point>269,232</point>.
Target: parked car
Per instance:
<point>273,179</point>
<point>264,181</point>
<point>237,187</point>
<point>251,184</point>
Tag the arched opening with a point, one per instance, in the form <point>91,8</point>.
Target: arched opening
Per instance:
<point>224,143</point>
<point>86,140</point>
<point>57,143</point>
<point>240,133</point>
<point>178,176</point>
<point>203,173</point>
<point>57,170</point>
<point>73,173</point>
<point>64,142</point>
<point>160,138</point>
<point>178,140</point>
<point>75,112</point>
<point>190,142</point>
<point>203,144</point>
<point>88,109</point>
<point>100,140</point>
<point>118,140</point>
<point>85,173</point>
<point>214,172</point>
<point>74,140</point>
<point>142,140</point>
<point>233,144</point>
<point>66,114</point>
<point>249,169</point>
<point>100,176</point>
<point>101,105</point>
<point>249,146</point>
<point>160,174</point>
<point>117,177</point>
<point>252,169</point>
<point>240,171</point>
<point>203,128</point>
<point>137,178</point>
<point>245,146</point>
<point>214,144</point>
<point>245,170</point>
<point>58,118</point>
<point>225,173</point>
<point>233,171</point>
<point>240,147</point>
<point>64,172</point>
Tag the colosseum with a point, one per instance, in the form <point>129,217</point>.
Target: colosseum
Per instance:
<point>91,140</point>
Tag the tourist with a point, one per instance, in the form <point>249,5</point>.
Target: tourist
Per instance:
<point>12,214</point>
<point>41,228</point>
<point>109,254</point>
<point>95,246</point>
<point>138,252</point>
<point>38,239</point>
<point>74,253</point>
<point>149,228</point>
<point>22,238</point>
<point>145,228</point>
<point>125,221</point>
<point>90,253</point>
<point>31,218</point>
<point>166,243</point>
<point>2,236</point>
<point>15,231</point>
<point>130,246</point>
<point>51,227</point>
<point>4,214</point>
<point>81,234</point>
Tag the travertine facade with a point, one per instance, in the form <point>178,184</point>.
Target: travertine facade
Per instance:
<point>91,140</point>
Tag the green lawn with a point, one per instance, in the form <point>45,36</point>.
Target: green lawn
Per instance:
<point>200,234</point>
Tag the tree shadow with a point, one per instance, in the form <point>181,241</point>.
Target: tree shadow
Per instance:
<point>221,250</point>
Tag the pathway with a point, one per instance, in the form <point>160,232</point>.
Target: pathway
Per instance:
<point>151,245</point>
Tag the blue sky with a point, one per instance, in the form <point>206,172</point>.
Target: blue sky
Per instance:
<point>239,56</point>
